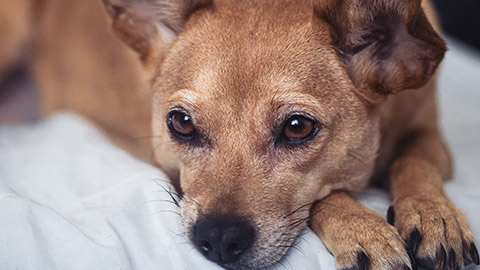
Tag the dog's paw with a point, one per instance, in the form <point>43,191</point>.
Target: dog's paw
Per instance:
<point>435,230</point>
<point>365,241</point>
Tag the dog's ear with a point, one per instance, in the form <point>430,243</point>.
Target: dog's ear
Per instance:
<point>386,45</point>
<point>150,26</point>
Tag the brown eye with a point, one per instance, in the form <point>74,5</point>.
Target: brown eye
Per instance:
<point>181,124</point>
<point>298,128</point>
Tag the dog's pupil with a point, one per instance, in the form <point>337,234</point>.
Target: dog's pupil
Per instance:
<point>182,123</point>
<point>298,127</point>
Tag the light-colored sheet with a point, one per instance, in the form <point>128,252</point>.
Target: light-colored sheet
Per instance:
<point>71,200</point>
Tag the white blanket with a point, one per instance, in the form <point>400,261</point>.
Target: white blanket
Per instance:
<point>71,200</point>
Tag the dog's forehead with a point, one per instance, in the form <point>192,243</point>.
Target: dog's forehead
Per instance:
<point>258,39</point>
<point>248,46</point>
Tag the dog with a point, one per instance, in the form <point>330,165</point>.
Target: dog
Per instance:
<point>267,116</point>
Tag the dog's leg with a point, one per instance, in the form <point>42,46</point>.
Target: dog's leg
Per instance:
<point>358,237</point>
<point>435,230</point>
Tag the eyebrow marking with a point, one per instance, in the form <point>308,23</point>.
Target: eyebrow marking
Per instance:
<point>185,98</point>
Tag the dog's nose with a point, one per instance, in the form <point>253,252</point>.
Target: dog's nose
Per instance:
<point>223,239</point>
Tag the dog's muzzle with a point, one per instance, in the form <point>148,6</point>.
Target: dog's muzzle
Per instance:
<point>223,238</point>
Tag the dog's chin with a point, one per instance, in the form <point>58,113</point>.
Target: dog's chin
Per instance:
<point>274,238</point>
<point>268,250</point>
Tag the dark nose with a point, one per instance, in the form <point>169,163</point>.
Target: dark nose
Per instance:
<point>223,239</point>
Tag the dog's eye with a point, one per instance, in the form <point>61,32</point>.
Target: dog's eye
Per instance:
<point>298,128</point>
<point>180,123</point>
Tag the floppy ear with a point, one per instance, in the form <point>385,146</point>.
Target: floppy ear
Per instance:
<point>386,45</point>
<point>150,26</point>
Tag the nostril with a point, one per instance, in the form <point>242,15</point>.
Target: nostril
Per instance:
<point>234,250</point>
<point>205,247</point>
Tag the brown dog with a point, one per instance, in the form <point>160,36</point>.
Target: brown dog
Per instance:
<point>261,108</point>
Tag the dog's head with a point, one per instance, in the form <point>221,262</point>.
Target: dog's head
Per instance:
<point>263,107</point>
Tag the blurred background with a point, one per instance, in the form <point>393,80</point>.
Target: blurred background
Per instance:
<point>460,20</point>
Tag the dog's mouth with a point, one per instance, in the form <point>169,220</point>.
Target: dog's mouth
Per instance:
<point>238,242</point>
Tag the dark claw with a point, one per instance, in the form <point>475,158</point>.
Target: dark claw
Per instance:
<point>414,240</point>
<point>441,257</point>
<point>466,259</point>
<point>391,215</point>
<point>362,261</point>
<point>466,254</point>
<point>452,259</point>
<point>437,262</point>
<point>474,254</point>
<point>412,260</point>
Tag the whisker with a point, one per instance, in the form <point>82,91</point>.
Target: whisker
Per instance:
<point>143,138</point>
<point>170,193</point>
<point>190,200</point>
<point>357,156</point>
<point>300,221</point>
<point>181,234</point>
<point>173,198</point>
<point>297,222</point>
<point>167,201</point>
<point>299,208</point>
<point>161,180</point>
<point>166,211</point>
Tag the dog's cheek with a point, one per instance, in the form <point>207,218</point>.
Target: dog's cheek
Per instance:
<point>346,164</point>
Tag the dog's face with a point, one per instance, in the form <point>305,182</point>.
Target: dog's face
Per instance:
<point>261,117</point>
<point>257,131</point>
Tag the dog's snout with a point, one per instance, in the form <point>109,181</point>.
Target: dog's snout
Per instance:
<point>223,239</point>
